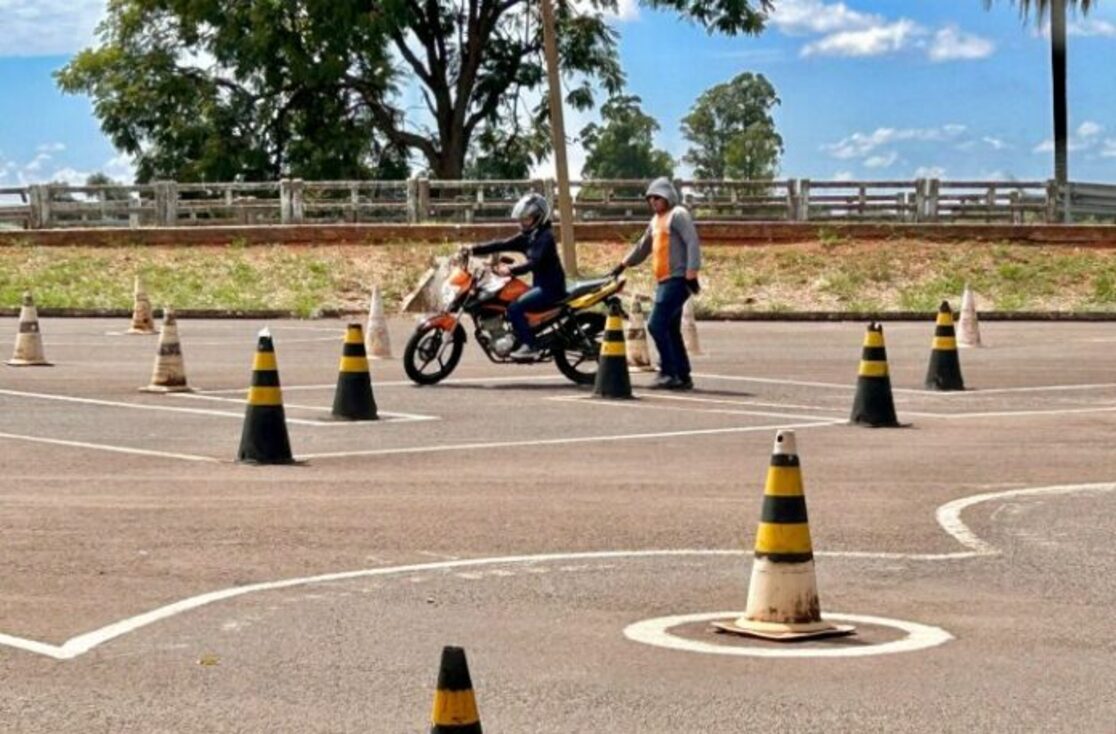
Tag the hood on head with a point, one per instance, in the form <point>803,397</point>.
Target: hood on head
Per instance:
<point>664,188</point>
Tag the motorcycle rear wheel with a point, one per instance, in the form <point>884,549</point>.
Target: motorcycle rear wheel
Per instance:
<point>426,359</point>
<point>578,361</point>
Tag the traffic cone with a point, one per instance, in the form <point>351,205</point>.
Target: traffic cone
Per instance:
<point>945,366</point>
<point>783,593</point>
<point>639,353</point>
<point>169,374</point>
<point>689,329</point>
<point>455,706</point>
<point>968,325</point>
<point>378,341</point>
<point>264,439</point>
<point>29,342</point>
<point>613,380</point>
<point>354,400</point>
<point>873,405</point>
<point>143,321</point>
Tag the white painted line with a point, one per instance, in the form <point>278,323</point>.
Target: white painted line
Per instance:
<point>107,447</point>
<point>656,632</point>
<point>1009,413</point>
<point>948,516</point>
<point>286,388</point>
<point>1039,388</point>
<point>800,383</point>
<point>723,401</point>
<point>558,441</point>
<point>496,380</point>
<point>390,416</point>
<point>588,400</point>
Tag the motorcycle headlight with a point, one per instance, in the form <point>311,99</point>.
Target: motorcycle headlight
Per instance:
<point>449,294</point>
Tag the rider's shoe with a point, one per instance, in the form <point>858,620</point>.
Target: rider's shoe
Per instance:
<point>525,353</point>
<point>665,382</point>
<point>682,384</point>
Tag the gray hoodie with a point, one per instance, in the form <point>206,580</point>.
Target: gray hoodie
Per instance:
<point>684,250</point>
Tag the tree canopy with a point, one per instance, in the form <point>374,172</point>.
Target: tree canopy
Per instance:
<point>732,132</point>
<point>623,145</point>
<point>207,89</point>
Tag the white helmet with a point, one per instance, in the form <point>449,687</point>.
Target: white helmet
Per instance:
<point>533,207</point>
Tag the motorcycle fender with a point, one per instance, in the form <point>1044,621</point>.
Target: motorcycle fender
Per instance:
<point>444,321</point>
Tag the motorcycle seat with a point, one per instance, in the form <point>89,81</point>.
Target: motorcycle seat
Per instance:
<point>583,287</point>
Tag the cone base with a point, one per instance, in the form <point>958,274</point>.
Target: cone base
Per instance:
<point>602,396</point>
<point>784,632</point>
<point>142,332</point>
<point>335,418</point>
<point>869,424</point>
<point>28,363</point>
<point>163,389</point>
<point>269,462</point>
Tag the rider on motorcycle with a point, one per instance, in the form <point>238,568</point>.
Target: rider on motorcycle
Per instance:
<point>536,242</point>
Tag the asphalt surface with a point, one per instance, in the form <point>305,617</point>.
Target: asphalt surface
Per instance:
<point>115,503</point>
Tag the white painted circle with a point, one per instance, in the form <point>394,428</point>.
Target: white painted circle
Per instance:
<point>655,632</point>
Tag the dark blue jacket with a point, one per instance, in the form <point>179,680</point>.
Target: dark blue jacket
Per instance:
<point>541,251</point>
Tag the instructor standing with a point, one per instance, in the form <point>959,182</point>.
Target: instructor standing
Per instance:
<point>672,242</point>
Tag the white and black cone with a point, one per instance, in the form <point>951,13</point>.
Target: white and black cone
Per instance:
<point>169,373</point>
<point>28,350</point>
<point>968,326</point>
<point>377,340</point>
<point>143,318</point>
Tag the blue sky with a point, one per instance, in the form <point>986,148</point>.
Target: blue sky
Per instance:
<point>870,88</point>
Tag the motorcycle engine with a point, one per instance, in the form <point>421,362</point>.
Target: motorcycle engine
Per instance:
<point>499,335</point>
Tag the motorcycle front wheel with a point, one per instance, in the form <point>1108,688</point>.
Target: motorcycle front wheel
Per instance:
<point>432,354</point>
<point>577,357</point>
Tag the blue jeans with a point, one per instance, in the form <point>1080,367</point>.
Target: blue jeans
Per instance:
<point>665,326</point>
<point>535,299</point>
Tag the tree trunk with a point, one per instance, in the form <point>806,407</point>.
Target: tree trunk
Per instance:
<point>1061,100</point>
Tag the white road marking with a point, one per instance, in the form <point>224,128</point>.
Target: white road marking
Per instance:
<point>392,416</point>
<point>723,401</point>
<point>912,391</point>
<point>495,380</point>
<point>1008,413</point>
<point>558,441</point>
<point>948,516</point>
<point>107,447</point>
<point>587,400</point>
<point>656,632</point>
<point>201,411</point>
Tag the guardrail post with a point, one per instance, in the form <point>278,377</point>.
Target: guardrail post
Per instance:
<point>298,190</point>
<point>166,203</point>
<point>412,201</point>
<point>933,195</point>
<point>1014,199</point>
<point>803,213</point>
<point>39,198</point>
<point>423,200</point>
<point>284,201</point>
<point>792,202</point>
<point>1051,201</point>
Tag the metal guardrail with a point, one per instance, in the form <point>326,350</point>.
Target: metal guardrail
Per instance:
<point>419,200</point>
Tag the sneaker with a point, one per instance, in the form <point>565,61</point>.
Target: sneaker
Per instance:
<point>682,384</point>
<point>525,353</point>
<point>665,382</point>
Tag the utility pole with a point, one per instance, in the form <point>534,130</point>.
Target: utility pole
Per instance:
<point>1061,104</point>
<point>558,139</point>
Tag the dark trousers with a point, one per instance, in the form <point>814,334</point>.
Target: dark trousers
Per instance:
<point>535,299</point>
<point>665,326</point>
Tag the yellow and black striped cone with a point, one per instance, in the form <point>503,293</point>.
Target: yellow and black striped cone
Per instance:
<point>143,320</point>
<point>783,593</point>
<point>945,365</point>
<point>638,351</point>
<point>28,350</point>
<point>874,405</point>
<point>353,399</point>
<point>169,374</point>
<point>455,706</point>
<point>264,439</point>
<point>613,380</point>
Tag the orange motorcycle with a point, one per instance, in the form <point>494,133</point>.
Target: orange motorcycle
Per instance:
<point>568,332</point>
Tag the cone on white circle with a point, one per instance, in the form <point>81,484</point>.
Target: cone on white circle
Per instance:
<point>689,329</point>
<point>169,373</point>
<point>968,327</point>
<point>783,600</point>
<point>639,352</point>
<point>29,341</point>
<point>143,319</point>
<point>377,340</point>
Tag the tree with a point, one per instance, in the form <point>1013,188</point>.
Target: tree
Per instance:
<point>202,90</point>
<point>1057,12</point>
<point>732,131</point>
<point>623,146</point>
<point>306,85</point>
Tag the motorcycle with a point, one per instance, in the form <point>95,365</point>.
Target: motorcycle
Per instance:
<point>567,332</point>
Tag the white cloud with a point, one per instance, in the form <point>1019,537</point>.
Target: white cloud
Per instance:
<point>953,44</point>
<point>796,17</point>
<point>46,27</point>
<point>626,10</point>
<point>1091,27</point>
<point>930,172</point>
<point>37,162</point>
<point>70,176</point>
<point>50,147</point>
<point>843,176</point>
<point>1087,137</point>
<point>874,41</point>
<point>1109,149</point>
<point>861,145</point>
<point>995,143</point>
<point>121,168</point>
<point>882,161</point>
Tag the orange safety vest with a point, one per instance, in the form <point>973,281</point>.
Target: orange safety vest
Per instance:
<point>660,245</point>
